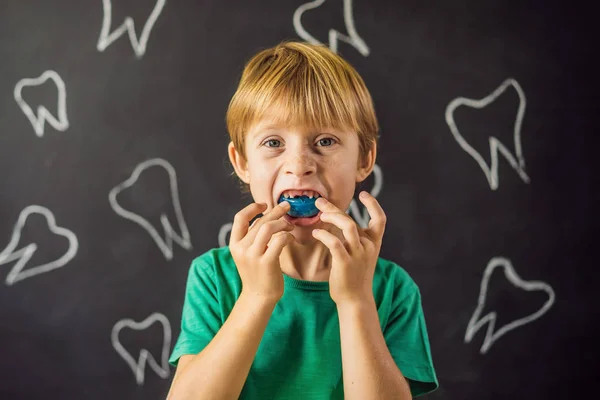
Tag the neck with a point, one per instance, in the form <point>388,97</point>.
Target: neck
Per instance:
<point>309,261</point>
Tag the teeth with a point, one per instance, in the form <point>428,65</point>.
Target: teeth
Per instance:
<point>294,193</point>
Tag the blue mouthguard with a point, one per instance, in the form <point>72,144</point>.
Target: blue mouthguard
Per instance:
<point>301,206</point>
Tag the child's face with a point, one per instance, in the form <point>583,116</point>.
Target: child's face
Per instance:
<point>282,157</point>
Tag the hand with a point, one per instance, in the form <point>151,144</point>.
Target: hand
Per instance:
<point>256,249</point>
<point>354,256</point>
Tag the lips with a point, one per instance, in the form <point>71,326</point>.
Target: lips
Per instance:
<point>304,221</point>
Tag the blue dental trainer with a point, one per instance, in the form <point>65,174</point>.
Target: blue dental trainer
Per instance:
<point>301,206</point>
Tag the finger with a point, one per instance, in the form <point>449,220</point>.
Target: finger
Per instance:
<point>242,219</point>
<point>277,244</point>
<point>266,232</point>
<point>275,214</point>
<point>378,219</point>
<point>326,206</point>
<point>346,224</point>
<point>333,243</point>
<point>367,243</point>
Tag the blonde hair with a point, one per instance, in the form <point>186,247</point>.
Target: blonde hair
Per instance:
<point>301,84</point>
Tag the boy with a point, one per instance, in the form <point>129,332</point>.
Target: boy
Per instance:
<point>286,310</point>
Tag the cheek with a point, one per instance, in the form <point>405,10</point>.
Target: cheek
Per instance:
<point>261,172</point>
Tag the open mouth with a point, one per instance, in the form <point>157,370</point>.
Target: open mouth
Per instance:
<point>281,196</point>
<point>302,206</point>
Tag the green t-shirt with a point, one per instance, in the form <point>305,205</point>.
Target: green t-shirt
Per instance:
<point>299,356</point>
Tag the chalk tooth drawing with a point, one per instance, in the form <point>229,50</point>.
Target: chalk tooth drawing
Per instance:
<point>477,322</point>
<point>38,121</point>
<point>145,357</point>
<point>362,219</point>
<point>491,172</point>
<point>139,46</point>
<point>24,254</point>
<point>224,231</point>
<point>334,36</point>
<point>166,245</point>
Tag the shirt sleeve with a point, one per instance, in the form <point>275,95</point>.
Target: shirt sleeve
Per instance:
<point>200,319</point>
<point>408,343</point>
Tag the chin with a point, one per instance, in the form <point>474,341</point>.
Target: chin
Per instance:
<point>304,238</point>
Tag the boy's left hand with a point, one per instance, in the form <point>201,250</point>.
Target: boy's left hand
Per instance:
<point>355,256</point>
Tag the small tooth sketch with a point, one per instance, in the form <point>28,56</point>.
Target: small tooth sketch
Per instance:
<point>139,366</point>
<point>24,254</point>
<point>38,122</point>
<point>477,322</point>
<point>353,210</point>
<point>353,39</point>
<point>139,47</point>
<point>491,172</point>
<point>166,246</point>
<point>363,219</point>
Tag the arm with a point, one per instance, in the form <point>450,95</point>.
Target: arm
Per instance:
<point>220,370</point>
<point>368,367</point>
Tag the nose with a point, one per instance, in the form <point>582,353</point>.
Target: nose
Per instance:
<point>300,162</point>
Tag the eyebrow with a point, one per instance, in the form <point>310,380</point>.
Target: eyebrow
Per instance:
<point>274,127</point>
<point>264,129</point>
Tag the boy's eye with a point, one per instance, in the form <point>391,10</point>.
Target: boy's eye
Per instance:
<point>320,141</point>
<point>271,140</point>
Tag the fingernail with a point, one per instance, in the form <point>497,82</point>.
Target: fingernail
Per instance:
<point>285,204</point>
<point>320,201</point>
<point>363,195</point>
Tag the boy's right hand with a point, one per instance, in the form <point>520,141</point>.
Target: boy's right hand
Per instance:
<point>256,249</point>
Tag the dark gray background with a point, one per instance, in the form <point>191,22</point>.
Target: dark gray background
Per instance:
<point>445,223</point>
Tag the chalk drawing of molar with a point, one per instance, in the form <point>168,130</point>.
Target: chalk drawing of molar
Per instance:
<point>166,244</point>
<point>24,254</point>
<point>145,357</point>
<point>139,46</point>
<point>477,322</point>
<point>334,36</point>
<point>38,121</point>
<point>491,171</point>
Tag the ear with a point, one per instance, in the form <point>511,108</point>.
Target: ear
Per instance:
<point>239,163</point>
<point>368,163</point>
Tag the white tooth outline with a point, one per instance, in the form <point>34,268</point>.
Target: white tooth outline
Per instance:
<point>223,232</point>
<point>166,246</point>
<point>361,219</point>
<point>354,39</point>
<point>353,210</point>
<point>38,123</point>
<point>139,47</point>
<point>491,173</point>
<point>139,367</point>
<point>24,254</point>
<point>476,323</point>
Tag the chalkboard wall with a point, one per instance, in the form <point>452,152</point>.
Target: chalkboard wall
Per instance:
<point>114,176</point>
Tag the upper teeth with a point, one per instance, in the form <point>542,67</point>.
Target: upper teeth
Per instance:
<point>294,193</point>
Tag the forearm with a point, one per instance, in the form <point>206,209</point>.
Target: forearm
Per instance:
<point>220,370</point>
<point>369,370</point>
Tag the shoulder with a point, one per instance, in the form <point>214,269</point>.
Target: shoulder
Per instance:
<point>213,259</point>
<point>391,277</point>
<point>215,269</point>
